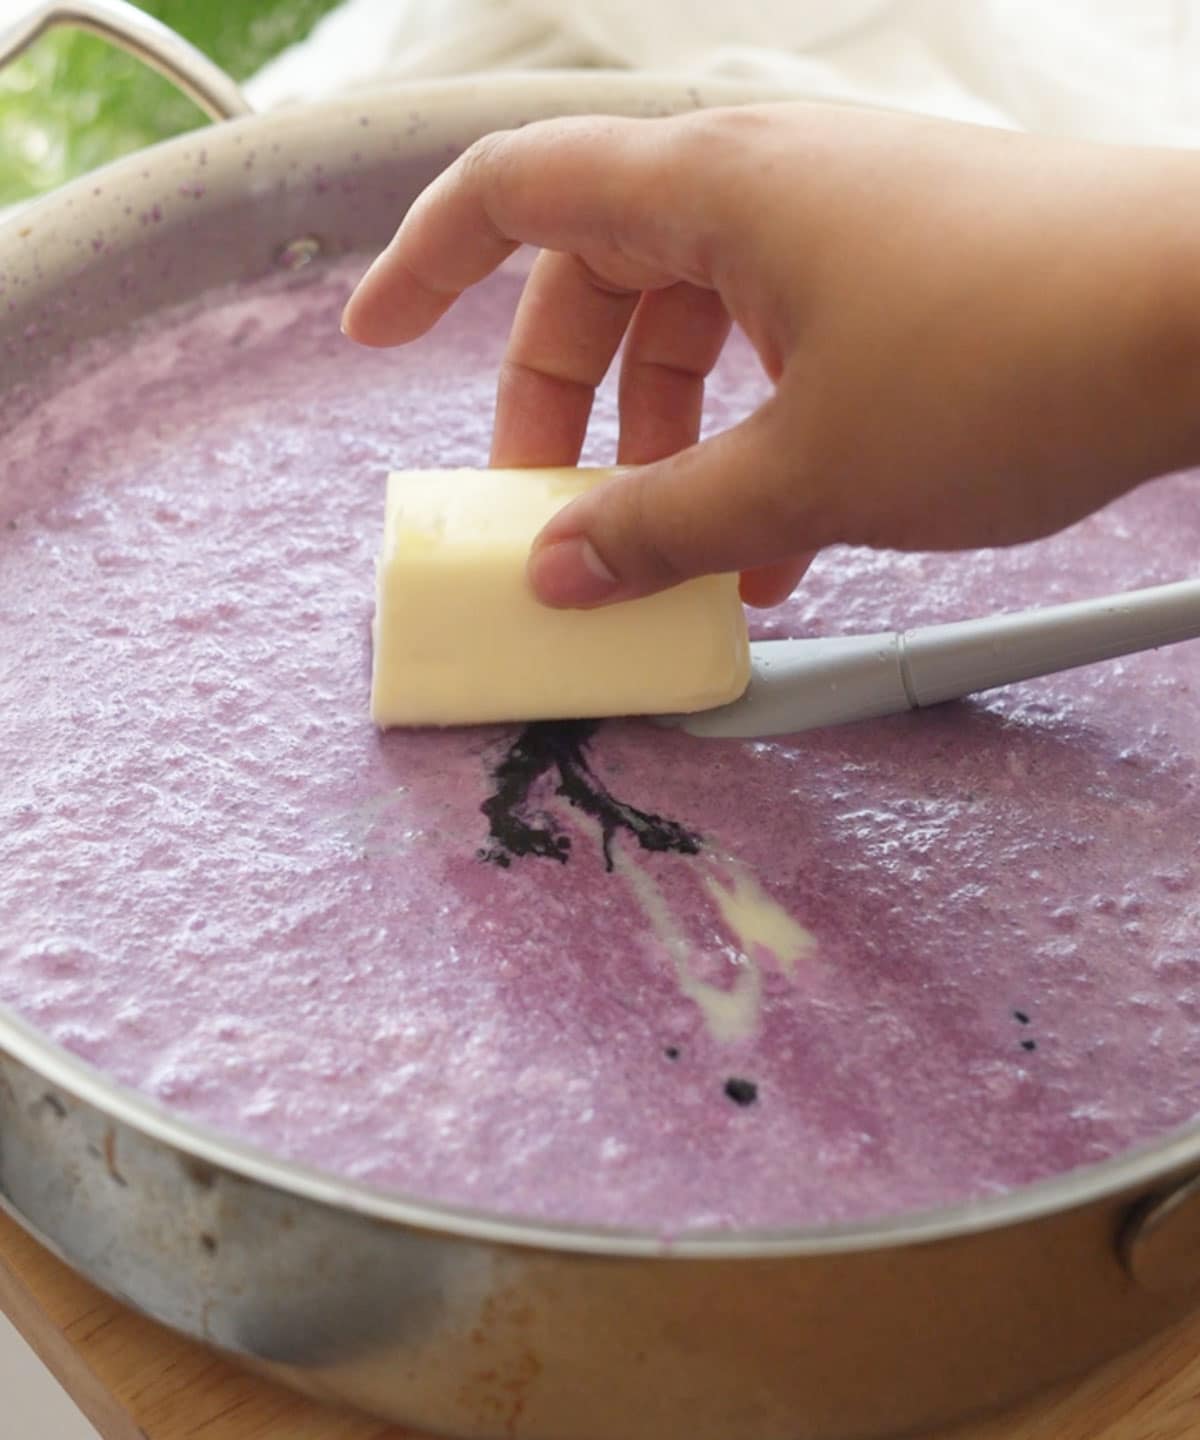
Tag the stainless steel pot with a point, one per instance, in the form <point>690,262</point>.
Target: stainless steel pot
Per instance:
<point>464,1323</point>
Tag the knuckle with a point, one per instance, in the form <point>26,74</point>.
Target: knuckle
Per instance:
<point>599,270</point>
<point>717,133</point>
<point>482,161</point>
<point>710,170</point>
<point>470,186</point>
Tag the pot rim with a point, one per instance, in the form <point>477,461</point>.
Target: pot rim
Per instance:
<point>583,88</point>
<point>1137,1168</point>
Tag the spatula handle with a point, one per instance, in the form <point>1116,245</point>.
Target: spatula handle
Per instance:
<point>805,684</point>
<point>944,662</point>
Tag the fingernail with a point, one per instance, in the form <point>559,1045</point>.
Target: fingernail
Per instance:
<point>569,573</point>
<point>347,310</point>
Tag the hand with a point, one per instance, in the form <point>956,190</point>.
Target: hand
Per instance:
<point>974,337</point>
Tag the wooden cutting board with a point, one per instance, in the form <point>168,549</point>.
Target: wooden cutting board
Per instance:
<point>136,1381</point>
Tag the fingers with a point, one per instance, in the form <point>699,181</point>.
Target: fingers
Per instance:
<point>734,502</point>
<point>630,244</point>
<point>602,188</point>
<point>412,284</point>
<point>566,331</point>
<point>772,584</point>
<point>674,341</point>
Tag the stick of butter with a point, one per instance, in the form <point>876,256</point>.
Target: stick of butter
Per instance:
<point>460,638</point>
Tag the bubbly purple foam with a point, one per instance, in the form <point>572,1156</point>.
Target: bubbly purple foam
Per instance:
<point>222,886</point>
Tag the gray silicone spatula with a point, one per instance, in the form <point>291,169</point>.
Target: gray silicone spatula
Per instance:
<point>803,684</point>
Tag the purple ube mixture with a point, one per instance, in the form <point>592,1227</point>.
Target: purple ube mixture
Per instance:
<point>222,886</point>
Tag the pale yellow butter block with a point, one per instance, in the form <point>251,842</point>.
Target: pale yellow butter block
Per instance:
<point>460,638</point>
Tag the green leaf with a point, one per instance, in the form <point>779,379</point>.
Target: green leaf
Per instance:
<point>73,102</point>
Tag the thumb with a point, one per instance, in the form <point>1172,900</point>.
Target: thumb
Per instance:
<point>733,502</point>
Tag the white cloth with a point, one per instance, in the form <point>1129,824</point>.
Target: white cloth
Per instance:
<point>1104,69</point>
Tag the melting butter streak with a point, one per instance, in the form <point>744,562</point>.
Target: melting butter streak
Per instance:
<point>756,921</point>
<point>730,1014</point>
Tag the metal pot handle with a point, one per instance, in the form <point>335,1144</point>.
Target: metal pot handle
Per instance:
<point>154,43</point>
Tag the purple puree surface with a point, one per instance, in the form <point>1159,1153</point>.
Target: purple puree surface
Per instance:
<point>222,886</point>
